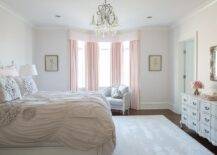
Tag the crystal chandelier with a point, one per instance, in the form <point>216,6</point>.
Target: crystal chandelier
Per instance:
<point>105,21</point>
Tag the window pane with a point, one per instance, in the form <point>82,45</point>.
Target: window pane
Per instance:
<point>104,64</point>
<point>81,64</point>
<point>125,77</point>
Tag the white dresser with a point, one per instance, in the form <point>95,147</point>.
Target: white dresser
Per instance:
<point>201,116</point>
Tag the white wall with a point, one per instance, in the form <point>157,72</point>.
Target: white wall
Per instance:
<point>15,39</point>
<point>53,41</point>
<point>154,86</point>
<point>205,22</point>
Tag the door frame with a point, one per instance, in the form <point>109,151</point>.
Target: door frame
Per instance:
<point>179,83</point>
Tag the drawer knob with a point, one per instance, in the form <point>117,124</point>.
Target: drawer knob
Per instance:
<point>206,119</point>
<point>194,124</point>
<point>184,109</point>
<point>185,100</point>
<point>206,108</point>
<point>185,118</point>
<point>194,103</point>
<point>206,131</point>
<point>194,114</point>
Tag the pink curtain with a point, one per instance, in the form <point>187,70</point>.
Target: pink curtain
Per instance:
<point>73,65</point>
<point>134,73</point>
<point>116,63</point>
<point>91,66</point>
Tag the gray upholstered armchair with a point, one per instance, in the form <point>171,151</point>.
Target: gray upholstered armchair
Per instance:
<point>119,97</point>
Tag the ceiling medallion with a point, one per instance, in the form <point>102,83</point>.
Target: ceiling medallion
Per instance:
<point>105,21</point>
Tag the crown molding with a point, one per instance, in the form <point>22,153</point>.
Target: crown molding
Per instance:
<point>51,27</point>
<point>195,12</point>
<point>9,10</point>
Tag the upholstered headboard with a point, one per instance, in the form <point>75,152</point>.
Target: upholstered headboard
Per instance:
<point>9,70</point>
<point>7,65</point>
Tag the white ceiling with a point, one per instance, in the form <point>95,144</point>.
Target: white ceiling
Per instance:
<point>78,13</point>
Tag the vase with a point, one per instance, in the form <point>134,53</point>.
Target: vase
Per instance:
<point>196,92</point>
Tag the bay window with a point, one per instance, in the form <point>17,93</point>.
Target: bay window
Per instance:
<point>81,64</point>
<point>104,64</point>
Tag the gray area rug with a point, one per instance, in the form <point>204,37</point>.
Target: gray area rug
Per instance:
<point>153,135</point>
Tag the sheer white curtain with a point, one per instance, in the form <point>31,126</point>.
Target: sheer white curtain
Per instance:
<point>81,64</point>
<point>104,64</point>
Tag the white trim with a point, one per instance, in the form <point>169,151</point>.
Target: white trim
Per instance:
<point>196,11</point>
<point>186,37</point>
<point>52,27</point>
<point>156,105</point>
<point>7,9</point>
<point>178,74</point>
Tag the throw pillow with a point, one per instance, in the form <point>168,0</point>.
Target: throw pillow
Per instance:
<point>124,89</point>
<point>27,85</point>
<point>9,90</point>
<point>116,93</point>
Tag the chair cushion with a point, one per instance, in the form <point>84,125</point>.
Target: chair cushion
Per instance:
<point>114,101</point>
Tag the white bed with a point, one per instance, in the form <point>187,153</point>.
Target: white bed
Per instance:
<point>57,123</point>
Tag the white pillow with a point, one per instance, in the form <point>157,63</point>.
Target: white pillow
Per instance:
<point>9,90</point>
<point>27,85</point>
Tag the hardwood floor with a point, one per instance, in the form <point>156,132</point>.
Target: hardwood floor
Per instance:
<point>175,118</point>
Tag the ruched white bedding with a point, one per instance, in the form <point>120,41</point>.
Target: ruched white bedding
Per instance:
<point>80,121</point>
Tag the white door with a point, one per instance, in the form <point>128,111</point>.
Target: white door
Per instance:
<point>189,67</point>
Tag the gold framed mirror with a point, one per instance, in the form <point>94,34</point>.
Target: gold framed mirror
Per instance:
<point>213,63</point>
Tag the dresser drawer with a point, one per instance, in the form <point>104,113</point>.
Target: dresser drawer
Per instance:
<point>184,119</point>
<point>185,109</point>
<point>185,99</point>
<point>214,137</point>
<point>214,109</point>
<point>205,107</point>
<point>205,119</point>
<point>205,131</point>
<point>214,122</point>
<point>193,113</point>
<point>194,103</point>
<point>193,124</point>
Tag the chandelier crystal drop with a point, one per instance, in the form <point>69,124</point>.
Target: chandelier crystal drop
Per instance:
<point>105,21</point>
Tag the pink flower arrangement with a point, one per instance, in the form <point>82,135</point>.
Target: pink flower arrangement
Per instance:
<point>198,85</point>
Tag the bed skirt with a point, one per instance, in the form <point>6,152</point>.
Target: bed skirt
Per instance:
<point>48,151</point>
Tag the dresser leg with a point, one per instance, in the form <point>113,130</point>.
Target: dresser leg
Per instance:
<point>181,126</point>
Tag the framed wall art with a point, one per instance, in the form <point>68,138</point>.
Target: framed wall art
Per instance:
<point>155,62</point>
<point>51,63</point>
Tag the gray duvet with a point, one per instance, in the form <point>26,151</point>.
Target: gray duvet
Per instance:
<point>81,121</point>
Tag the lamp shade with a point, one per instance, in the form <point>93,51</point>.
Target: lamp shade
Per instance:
<point>28,70</point>
<point>9,71</point>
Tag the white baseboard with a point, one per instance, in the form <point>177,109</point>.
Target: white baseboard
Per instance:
<point>156,105</point>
